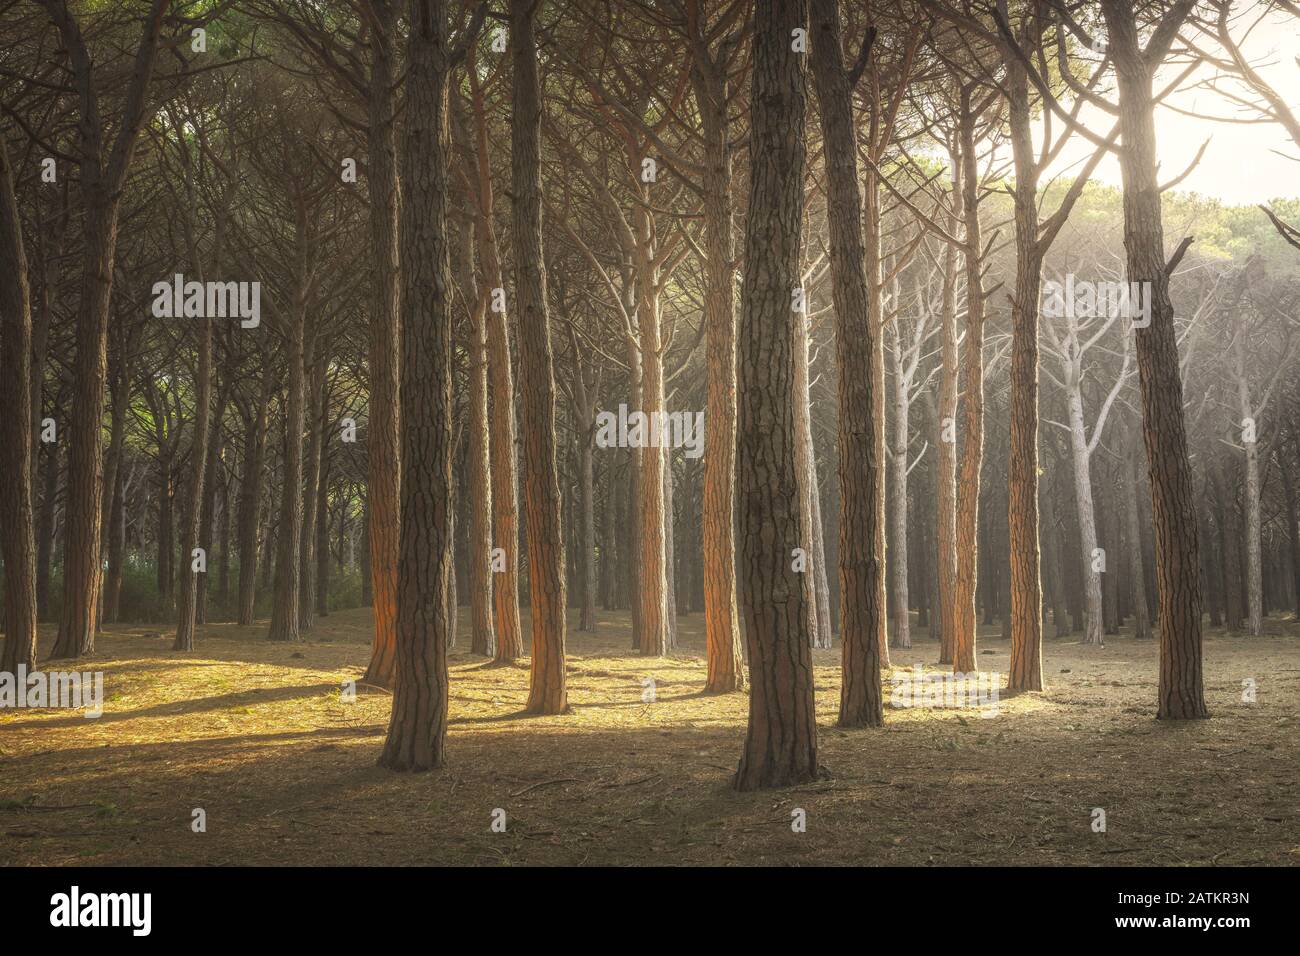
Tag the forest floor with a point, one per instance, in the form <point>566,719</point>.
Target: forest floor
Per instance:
<point>260,738</point>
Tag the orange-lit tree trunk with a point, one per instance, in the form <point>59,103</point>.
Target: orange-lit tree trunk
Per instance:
<point>505,491</point>
<point>721,616</point>
<point>383,434</point>
<point>546,567</point>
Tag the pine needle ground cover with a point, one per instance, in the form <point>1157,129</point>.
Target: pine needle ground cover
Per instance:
<point>263,739</point>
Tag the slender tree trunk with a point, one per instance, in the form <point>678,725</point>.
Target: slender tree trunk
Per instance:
<point>1025,582</point>
<point>546,568</point>
<point>383,432</point>
<point>902,636</point>
<point>250,501</point>
<point>972,426</point>
<point>311,490</point>
<point>862,610</point>
<point>17,535</point>
<point>725,670</point>
<point>505,485</point>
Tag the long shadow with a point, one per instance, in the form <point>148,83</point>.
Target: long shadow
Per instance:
<point>257,695</point>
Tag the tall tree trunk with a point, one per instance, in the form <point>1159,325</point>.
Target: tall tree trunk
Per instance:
<point>288,555</point>
<point>725,670</point>
<point>781,740</point>
<point>862,609</point>
<point>383,432</point>
<point>901,604</point>
<point>805,469</point>
<point>17,535</point>
<point>972,426</point>
<point>1083,503</point>
<point>417,731</point>
<point>1025,581</point>
<point>946,455</point>
<point>483,640</point>
<point>546,569</point>
<point>1181,691</point>
<point>101,191</point>
<point>505,485</point>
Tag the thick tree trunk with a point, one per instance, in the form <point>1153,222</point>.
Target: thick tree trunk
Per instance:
<point>546,568</point>
<point>1181,692</point>
<point>781,740</point>
<point>417,731</point>
<point>862,610</point>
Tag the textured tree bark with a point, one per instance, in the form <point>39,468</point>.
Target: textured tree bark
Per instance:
<point>876,320</point>
<point>1026,611</point>
<point>288,553</point>
<point>1181,692</point>
<point>505,485</point>
<point>417,731</point>
<point>101,190</point>
<point>17,535</point>
<point>383,431</point>
<point>725,670</point>
<point>652,573</point>
<point>781,740</point>
<point>483,639</point>
<point>546,568</point>
<point>972,425</point>
<point>862,611</point>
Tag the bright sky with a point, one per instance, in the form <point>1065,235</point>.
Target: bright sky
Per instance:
<point>1240,165</point>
